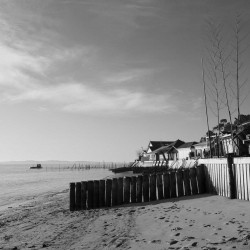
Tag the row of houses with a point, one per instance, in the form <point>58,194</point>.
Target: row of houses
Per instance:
<point>209,146</point>
<point>173,150</point>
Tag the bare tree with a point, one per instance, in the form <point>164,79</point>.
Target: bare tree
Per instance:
<point>213,74</point>
<point>224,68</point>
<point>238,67</point>
<point>205,99</point>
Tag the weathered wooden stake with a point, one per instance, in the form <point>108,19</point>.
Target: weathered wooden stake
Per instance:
<point>84,195</point>
<point>96,194</point>
<point>186,178</point>
<point>72,203</point>
<point>108,192</point>
<point>173,184</point>
<point>179,176</point>
<point>120,191</point>
<point>201,179</point>
<point>152,187</point>
<point>102,193</point>
<point>193,181</point>
<point>78,196</point>
<point>90,194</point>
<point>114,192</point>
<point>133,189</point>
<point>127,190</point>
<point>145,185</point>
<point>159,186</point>
<point>139,189</point>
<point>232,185</point>
<point>166,180</point>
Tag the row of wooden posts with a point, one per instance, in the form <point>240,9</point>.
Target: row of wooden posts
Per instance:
<point>142,188</point>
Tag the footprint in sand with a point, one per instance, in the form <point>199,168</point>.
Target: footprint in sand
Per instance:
<point>172,242</point>
<point>177,229</point>
<point>188,238</point>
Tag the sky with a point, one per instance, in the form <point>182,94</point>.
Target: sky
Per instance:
<point>97,80</point>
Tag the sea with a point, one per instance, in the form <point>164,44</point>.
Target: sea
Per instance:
<point>19,184</point>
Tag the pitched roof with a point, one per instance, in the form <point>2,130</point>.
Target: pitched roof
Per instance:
<point>201,145</point>
<point>169,147</point>
<point>153,145</point>
<point>188,144</point>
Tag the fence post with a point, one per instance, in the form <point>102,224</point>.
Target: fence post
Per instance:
<point>127,190</point>
<point>96,194</point>
<point>166,180</point>
<point>201,178</point>
<point>120,191</point>
<point>173,184</point>
<point>114,192</point>
<point>90,194</point>
<point>102,193</point>
<point>159,186</point>
<point>193,181</point>
<point>152,187</point>
<point>232,188</point>
<point>78,196</point>
<point>179,178</point>
<point>72,204</point>
<point>133,189</point>
<point>108,192</point>
<point>187,181</point>
<point>83,191</point>
<point>145,188</point>
<point>139,189</point>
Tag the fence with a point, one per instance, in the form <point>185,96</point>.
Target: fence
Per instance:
<point>228,177</point>
<point>143,188</point>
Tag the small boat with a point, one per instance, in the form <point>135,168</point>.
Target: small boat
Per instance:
<point>38,166</point>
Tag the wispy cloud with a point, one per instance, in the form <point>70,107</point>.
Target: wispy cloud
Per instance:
<point>80,98</point>
<point>128,76</point>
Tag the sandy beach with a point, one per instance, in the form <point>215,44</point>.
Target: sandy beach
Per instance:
<point>197,222</point>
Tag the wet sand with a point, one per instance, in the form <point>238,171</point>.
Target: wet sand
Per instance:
<point>195,222</point>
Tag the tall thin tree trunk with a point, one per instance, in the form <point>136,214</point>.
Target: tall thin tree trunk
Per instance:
<point>205,97</point>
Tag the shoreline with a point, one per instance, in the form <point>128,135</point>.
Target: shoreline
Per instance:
<point>194,222</point>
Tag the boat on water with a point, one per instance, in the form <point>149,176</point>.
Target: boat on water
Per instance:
<point>38,166</point>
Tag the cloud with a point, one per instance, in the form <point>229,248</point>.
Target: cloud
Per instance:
<point>129,76</point>
<point>80,98</point>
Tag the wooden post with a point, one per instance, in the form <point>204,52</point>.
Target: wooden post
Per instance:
<point>166,180</point>
<point>90,194</point>
<point>187,181</point>
<point>133,189</point>
<point>78,196</point>
<point>102,193</point>
<point>159,186</point>
<point>193,181</point>
<point>179,175</point>
<point>152,187</point>
<point>114,191</point>
<point>139,189</point>
<point>231,175</point>
<point>173,184</point>
<point>72,202</point>
<point>96,194</point>
<point>145,186</point>
<point>127,190</point>
<point>84,196</point>
<point>120,191</point>
<point>201,179</point>
<point>108,192</point>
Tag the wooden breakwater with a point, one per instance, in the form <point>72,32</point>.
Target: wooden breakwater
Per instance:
<point>143,188</point>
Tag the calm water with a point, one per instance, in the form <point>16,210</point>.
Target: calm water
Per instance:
<point>19,184</point>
